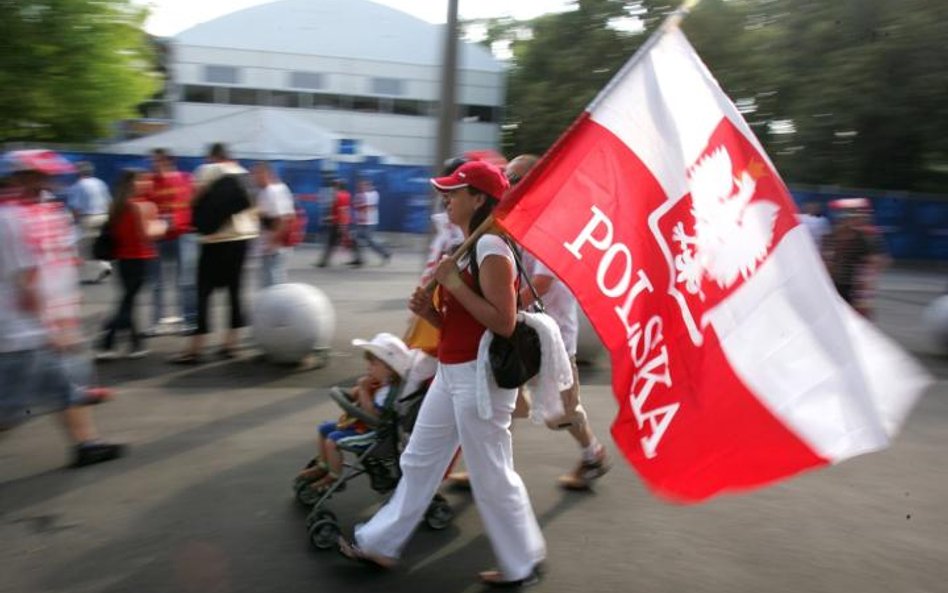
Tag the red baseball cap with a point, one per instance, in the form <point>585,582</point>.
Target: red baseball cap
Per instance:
<point>480,175</point>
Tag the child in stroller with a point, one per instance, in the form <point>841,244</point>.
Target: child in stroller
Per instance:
<point>387,362</point>
<point>378,416</point>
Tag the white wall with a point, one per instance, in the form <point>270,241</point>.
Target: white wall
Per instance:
<point>409,138</point>
<point>270,70</point>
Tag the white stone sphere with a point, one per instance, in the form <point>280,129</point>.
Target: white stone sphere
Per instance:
<point>291,320</point>
<point>589,349</point>
<point>935,319</point>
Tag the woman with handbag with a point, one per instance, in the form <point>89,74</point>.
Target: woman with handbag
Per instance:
<point>224,215</point>
<point>449,415</point>
<point>133,226</point>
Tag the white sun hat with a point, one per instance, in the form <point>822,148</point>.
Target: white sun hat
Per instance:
<point>390,349</point>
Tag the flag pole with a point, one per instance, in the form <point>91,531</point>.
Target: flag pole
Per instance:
<point>466,246</point>
<point>671,22</point>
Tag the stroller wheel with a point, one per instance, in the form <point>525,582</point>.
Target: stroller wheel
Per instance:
<point>299,482</point>
<point>305,495</point>
<point>439,514</point>
<point>320,515</point>
<point>324,534</point>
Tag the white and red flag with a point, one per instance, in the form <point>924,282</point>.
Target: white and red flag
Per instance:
<point>734,362</point>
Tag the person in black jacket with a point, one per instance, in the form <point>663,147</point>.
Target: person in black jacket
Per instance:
<point>224,216</point>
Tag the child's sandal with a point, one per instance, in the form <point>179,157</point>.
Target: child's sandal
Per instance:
<point>326,482</point>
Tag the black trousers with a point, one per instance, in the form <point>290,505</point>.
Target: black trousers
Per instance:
<point>132,274</point>
<point>221,265</point>
<point>334,237</point>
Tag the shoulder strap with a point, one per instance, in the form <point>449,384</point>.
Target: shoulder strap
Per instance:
<point>521,273</point>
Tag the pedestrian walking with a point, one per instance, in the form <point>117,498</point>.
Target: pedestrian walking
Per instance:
<point>277,214</point>
<point>39,309</point>
<point>135,226</point>
<point>560,304</point>
<point>365,206</point>
<point>88,199</point>
<point>450,415</point>
<point>224,215</point>
<point>337,226</point>
<point>855,254</point>
<point>177,249</point>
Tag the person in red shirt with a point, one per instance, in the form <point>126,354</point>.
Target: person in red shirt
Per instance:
<point>135,225</point>
<point>451,412</point>
<point>338,221</point>
<point>171,193</point>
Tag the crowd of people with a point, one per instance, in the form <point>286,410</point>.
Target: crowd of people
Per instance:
<point>199,229</point>
<point>180,232</point>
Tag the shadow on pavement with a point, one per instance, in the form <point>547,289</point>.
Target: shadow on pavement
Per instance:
<point>33,489</point>
<point>199,540</point>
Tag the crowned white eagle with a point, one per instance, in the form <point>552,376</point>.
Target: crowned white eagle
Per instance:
<point>731,233</point>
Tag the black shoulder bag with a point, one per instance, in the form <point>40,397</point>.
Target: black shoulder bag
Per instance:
<point>514,360</point>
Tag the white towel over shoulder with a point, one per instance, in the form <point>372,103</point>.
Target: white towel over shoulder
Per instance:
<point>556,371</point>
<point>555,374</point>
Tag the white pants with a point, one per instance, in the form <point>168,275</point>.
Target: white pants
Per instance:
<point>448,416</point>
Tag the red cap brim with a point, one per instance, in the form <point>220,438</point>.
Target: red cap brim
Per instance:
<point>448,183</point>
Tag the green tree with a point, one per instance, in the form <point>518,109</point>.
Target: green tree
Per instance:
<point>70,69</point>
<point>850,92</point>
<point>559,69</point>
<point>865,84</point>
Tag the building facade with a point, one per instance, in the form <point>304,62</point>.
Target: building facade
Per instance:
<point>366,72</point>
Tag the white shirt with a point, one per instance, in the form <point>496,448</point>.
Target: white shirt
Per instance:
<point>89,197</point>
<point>19,330</point>
<point>274,201</point>
<point>366,206</point>
<point>559,302</point>
<point>491,245</point>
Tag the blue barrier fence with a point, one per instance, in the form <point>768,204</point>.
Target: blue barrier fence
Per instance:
<point>915,227</point>
<point>404,194</point>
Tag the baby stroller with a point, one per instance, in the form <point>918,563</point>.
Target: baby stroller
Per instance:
<point>376,454</point>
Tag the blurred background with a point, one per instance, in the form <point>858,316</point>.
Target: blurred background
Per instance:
<point>847,97</point>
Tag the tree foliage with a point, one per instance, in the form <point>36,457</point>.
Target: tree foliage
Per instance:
<point>70,69</point>
<point>559,69</point>
<point>849,92</point>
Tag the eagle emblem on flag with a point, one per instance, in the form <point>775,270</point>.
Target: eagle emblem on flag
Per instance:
<point>731,234</point>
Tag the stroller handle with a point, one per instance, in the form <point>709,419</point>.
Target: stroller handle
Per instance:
<point>340,397</point>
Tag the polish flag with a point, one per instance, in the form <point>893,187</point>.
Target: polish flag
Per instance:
<point>734,361</point>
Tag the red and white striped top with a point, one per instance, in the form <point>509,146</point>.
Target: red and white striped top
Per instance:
<point>50,235</point>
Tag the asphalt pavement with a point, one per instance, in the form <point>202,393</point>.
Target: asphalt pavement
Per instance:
<point>203,502</point>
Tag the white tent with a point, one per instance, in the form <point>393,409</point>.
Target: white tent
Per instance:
<point>253,133</point>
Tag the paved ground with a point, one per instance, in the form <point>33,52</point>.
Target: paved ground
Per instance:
<point>203,503</point>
